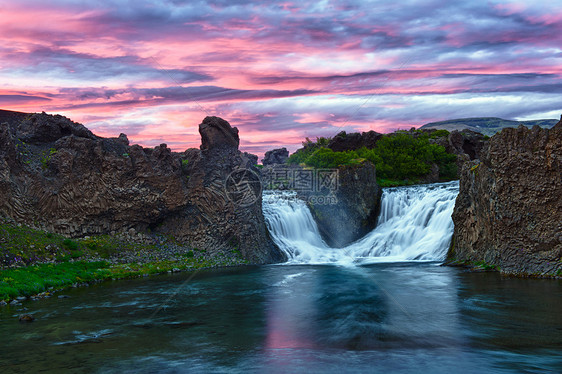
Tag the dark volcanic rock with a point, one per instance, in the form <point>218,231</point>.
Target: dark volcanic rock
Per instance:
<point>508,212</point>
<point>351,212</point>
<point>347,142</point>
<point>253,158</point>
<point>275,157</point>
<point>216,132</point>
<point>56,175</point>
<point>224,201</point>
<point>466,142</point>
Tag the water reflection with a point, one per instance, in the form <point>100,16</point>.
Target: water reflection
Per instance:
<point>363,308</point>
<point>406,318</point>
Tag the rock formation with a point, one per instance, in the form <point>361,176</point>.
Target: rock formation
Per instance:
<point>56,175</point>
<point>509,208</point>
<point>349,211</point>
<point>276,157</point>
<point>353,141</point>
<point>466,144</point>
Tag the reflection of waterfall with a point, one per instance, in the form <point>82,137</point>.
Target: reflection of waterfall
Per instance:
<point>414,224</point>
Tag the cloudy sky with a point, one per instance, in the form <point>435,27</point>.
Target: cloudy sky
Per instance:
<point>278,70</point>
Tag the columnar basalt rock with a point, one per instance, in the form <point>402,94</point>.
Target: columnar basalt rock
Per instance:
<point>351,210</point>
<point>509,208</point>
<point>56,175</point>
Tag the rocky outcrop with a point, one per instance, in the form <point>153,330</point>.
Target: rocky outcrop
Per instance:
<point>349,210</point>
<point>353,141</point>
<point>276,157</point>
<point>56,175</point>
<point>253,158</point>
<point>507,213</point>
<point>217,133</point>
<point>466,144</point>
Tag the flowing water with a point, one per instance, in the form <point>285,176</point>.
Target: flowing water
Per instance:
<point>370,307</point>
<point>414,224</point>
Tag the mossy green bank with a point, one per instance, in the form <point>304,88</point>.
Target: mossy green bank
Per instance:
<point>34,261</point>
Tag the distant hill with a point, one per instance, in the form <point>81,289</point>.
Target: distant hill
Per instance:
<point>486,125</point>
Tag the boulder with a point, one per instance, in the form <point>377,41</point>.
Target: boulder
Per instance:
<point>26,318</point>
<point>507,213</point>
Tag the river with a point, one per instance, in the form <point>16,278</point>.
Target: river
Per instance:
<point>364,308</point>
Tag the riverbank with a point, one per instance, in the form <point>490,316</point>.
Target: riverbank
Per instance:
<point>35,263</point>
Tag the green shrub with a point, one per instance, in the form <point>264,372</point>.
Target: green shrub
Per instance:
<point>309,147</point>
<point>400,158</point>
<point>70,244</point>
<point>326,158</point>
<point>439,134</point>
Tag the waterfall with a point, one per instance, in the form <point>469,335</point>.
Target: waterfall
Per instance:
<point>414,225</point>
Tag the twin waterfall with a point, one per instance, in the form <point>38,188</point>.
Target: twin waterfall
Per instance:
<point>414,225</point>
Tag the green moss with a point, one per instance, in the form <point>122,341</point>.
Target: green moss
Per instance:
<point>35,279</point>
<point>485,266</point>
<point>474,169</point>
<point>70,244</point>
<point>21,245</point>
<point>451,251</point>
<point>395,182</point>
<point>439,134</point>
<point>46,157</point>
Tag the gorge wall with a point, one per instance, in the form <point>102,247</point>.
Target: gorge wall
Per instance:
<point>343,201</point>
<point>349,211</point>
<point>57,175</point>
<point>508,213</point>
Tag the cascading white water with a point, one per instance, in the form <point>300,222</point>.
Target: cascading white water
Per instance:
<point>414,225</point>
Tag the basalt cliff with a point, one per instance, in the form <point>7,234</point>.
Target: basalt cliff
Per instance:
<point>508,213</point>
<point>58,176</point>
<point>350,210</point>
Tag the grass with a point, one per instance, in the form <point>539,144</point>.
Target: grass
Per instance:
<point>32,261</point>
<point>31,280</point>
<point>21,245</point>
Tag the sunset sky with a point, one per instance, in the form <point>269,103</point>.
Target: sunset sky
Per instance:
<point>279,71</point>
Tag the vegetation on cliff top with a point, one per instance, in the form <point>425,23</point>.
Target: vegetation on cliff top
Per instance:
<point>400,158</point>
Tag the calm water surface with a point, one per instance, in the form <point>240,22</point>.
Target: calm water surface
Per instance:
<point>391,318</point>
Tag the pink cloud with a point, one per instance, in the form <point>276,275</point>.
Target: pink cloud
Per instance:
<point>279,72</point>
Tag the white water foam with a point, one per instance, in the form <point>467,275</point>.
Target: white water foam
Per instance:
<point>414,225</point>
